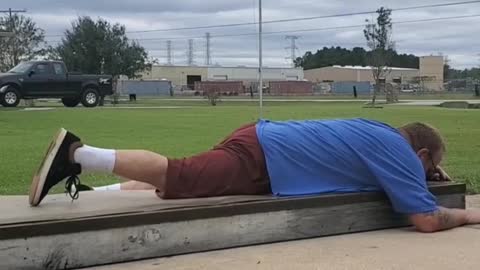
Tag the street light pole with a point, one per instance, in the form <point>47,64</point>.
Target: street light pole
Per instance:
<point>260,60</point>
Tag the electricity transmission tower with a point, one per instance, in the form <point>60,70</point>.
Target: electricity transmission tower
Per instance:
<point>190,53</point>
<point>169,52</point>
<point>293,48</point>
<point>208,57</point>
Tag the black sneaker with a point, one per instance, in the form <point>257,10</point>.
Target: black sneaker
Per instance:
<point>57,166</point>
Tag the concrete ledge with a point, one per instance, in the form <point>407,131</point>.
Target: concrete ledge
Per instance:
<point>83,240</point>
<point>393,249</point>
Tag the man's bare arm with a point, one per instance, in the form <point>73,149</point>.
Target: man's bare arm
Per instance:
<point>444,219</point>
<point>440,175</point>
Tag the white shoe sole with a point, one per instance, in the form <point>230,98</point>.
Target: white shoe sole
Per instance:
<point>40,176</point>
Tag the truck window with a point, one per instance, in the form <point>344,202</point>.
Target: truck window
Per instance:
<point>23,67</point>
<point>58,68</point>
<point>42,69</point>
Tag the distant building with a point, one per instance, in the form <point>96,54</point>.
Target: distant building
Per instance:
<point>431,72</point>
<point>429,76</point>
<point>186,76</point>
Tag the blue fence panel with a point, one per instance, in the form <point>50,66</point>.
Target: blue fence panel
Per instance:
<point>147,88</point>
<point>363,88</point>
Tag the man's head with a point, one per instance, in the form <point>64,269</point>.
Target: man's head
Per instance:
<point>427,142</point>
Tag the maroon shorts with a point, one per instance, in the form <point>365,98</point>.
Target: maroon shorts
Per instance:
<point>236,166</point>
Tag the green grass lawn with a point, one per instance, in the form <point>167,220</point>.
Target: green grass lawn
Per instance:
<point>24,135</point>
<point>402,96</point>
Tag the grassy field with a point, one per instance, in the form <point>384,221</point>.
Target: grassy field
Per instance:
<point>24,135</point>
<point>418,96</point>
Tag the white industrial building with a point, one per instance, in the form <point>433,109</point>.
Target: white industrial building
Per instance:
<point>428,76</point>
<point>188,75</point>
<point>250,74</point>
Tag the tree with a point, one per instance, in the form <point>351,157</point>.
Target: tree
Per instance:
<point>24,45</point>
<point>378,36</point>
<point>356,57</point>
<point>213,96</point>
<point>99,47</point>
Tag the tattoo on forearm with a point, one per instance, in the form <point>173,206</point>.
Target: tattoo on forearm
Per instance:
<point>445,218</point>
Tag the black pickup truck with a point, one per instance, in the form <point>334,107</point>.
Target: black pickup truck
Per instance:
<point>50,79</point>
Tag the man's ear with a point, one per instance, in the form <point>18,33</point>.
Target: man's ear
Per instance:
<point>423,153</point>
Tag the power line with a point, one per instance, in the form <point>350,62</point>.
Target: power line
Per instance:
<point>13,11</point>
<point>312,29</point>
<point>301,30</point>
<point>310,18</point>
<point>302,18</point>
<point>358,25</point>
<point>373,12</point>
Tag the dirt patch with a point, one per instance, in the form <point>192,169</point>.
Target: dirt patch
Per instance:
<point>459,105</point>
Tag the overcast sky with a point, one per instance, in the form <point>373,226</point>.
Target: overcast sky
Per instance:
<point>456,38</point>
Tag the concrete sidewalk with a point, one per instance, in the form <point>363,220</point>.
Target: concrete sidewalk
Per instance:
<point>387,249</point>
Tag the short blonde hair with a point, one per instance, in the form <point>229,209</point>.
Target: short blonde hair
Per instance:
<point>423,135</point>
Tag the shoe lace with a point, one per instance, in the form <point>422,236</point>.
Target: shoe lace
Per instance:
<point>71,186</point>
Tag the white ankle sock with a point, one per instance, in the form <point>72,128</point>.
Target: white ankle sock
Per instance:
<point>114,187</point>
<point>94,159</point>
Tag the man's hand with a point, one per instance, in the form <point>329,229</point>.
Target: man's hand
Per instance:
<point>440,175</point>
<point>444,219</point>
<point>473,216</point>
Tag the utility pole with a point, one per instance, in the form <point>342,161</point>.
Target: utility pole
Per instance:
<point>11,11</point>
<point>208,59</point>
<point>169,52</point>
<point>293,48</point>
<point>260,60</point>
<point>477,83</point>
<point>9,32</point>
<point>190,54</point>
<point>447,64</point>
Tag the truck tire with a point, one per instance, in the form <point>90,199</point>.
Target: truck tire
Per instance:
<point>90,97</point>
<point>70,102</point>
<point>10,98</point>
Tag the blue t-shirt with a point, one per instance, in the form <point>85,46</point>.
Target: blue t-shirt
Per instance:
<point>340,156</point>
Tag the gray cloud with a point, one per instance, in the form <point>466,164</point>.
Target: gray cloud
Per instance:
<point>455,38</point>
<point>128,6</point>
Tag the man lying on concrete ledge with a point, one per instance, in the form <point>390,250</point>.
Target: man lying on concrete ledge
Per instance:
<point>282,158</point>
